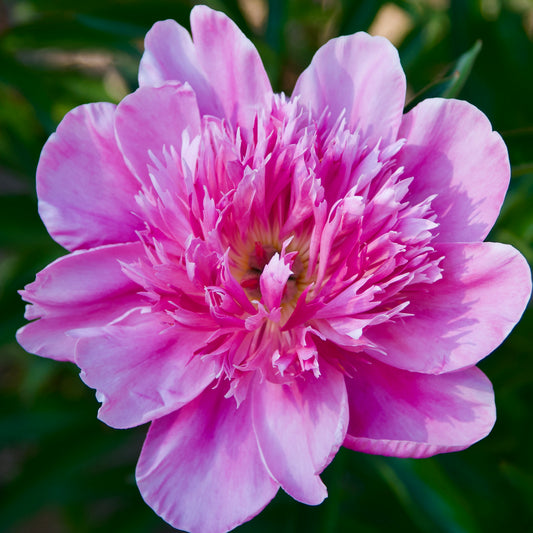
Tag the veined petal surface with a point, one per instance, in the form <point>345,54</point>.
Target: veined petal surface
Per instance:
<point>200,468</point>
<point>141,372</point>
<point>86,192</point>
<point>85,289</point>
<point>299,428</point>
<point>451,151</point>
<point>407,414</point>
<point>220,64</point>
<point>462,317</point>
<point>360,76</point>
<point>153,119</point>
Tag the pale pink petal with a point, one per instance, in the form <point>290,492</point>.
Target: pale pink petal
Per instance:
<point>142,369</point>
<point>82,290</point>
<point>86,193</point>
<point>300,426</point>
<point>154,118</point>
<point>200,468</point>
<point>231,64</point>
<point>452,151</point>
<point>463,317</point>
<point>222,66</point>
<point>169,55</point>
<point>406,414</point>
<point>273,281</point>
<point>362,76</point>
<point>47,337</point>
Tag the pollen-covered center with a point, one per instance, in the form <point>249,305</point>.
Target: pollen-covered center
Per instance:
<point>282,240</point>
<point>271,271</point>
<point>258,259</point>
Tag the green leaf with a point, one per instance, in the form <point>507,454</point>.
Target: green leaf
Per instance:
<point>453,81</point>
<point>429,495</point>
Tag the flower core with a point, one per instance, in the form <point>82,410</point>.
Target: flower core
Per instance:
<point>288,236</point>
<point>258,258</point>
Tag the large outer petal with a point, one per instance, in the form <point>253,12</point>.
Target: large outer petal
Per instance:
<point>361,75</point>
<point>86,193</point>
<point>152,118</point>
<point>299,427</point>
<point>461,318</point>
<point>200,468</point>
<point>142,369</point>
<point>452,151</point>
<point>170,55</point>
<point>406,414</point>
<point>81,290</point>
<point>222,65</point>
<point>232,65</point>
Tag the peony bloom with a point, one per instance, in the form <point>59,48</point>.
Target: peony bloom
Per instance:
<point>265,278</point>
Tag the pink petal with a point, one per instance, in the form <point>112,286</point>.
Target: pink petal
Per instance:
<point>141,369</point>
<point>81,290</point>
<point>232,65</point>
<point>200,468</point>
<point>222,65</point>
<point>406,414</point>
<point>169,55</point>
<point>300,426</point>
<point>452,151</point>
<point>153,118</point>
<point>273,281</point>
<point>362,76</point>
<point>86,193</point>
<point>463,317</point>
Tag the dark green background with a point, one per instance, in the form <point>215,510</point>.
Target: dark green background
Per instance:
<point>61,470</point>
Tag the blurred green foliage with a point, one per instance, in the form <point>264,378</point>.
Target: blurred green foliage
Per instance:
<point>63,471</point>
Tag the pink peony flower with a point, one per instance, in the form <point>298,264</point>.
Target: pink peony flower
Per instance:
<point>265,278</point>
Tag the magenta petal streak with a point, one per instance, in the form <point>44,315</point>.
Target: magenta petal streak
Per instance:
<point>265,278</point>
